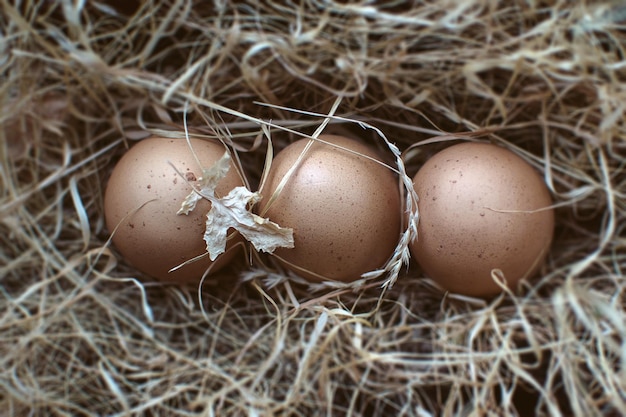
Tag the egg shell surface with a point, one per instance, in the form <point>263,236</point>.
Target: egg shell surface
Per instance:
<point>481,207</point>
<point>143,196</point>
<point>344,209</point>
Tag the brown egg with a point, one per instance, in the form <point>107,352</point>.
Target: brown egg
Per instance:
<point>478,207</point>
<point>344,209</point>
<point>142,198</point>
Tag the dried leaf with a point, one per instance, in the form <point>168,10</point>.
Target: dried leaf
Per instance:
<point>232,211</point>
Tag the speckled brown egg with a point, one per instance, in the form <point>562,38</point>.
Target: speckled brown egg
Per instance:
<point>481,208</point>
<point>344,209</point>
<point>142,198</point>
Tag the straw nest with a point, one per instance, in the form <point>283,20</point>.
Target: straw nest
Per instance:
<point>81,333</point>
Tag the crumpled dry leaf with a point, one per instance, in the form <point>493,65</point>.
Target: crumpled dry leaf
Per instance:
<point>233,210</point>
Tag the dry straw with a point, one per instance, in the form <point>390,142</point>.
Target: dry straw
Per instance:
<point>82,334</point>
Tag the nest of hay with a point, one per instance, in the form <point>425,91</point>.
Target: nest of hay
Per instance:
<point>81,333</point>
